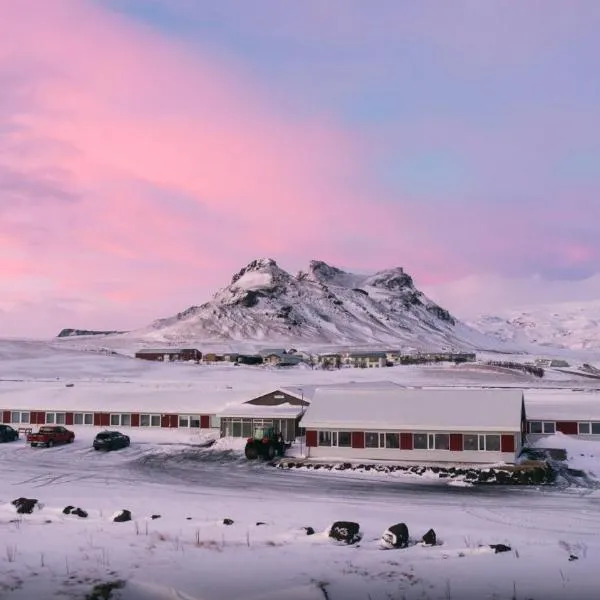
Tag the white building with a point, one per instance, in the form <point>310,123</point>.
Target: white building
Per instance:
<point>416,425</point>
<point>574,413</point>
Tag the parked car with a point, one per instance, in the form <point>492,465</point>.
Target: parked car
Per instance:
<point>8,434</point>
<point>49,435</point>
<point>111,440</point>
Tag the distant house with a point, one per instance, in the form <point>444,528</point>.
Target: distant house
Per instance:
<point>211,357</point>
<point>281,359</point>
<point>365,359</point>
<point>249,359</point>
<point>169,354</point>
<point>330,361</point>
<point>552,362</point>
<point>230,356</point>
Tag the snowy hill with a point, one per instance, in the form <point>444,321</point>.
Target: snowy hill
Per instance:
<point>567,325</point>
<point>322,305</point>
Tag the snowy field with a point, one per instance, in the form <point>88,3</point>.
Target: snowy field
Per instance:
<point>189,553</point>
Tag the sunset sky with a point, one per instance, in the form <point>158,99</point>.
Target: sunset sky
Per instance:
<point>151,148</point>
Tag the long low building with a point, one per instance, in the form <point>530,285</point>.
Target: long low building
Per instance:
<point>416,425</point>
<point>571,412</point>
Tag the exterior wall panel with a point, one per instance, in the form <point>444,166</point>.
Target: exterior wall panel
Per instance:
<point>406,441</point>
<point>204,421</point>
<point>507,442</point>
<point>311,439</point>
<point>135,419</point>
<point>567,427</point>
<point>358,439</point>
<point>456,442</point>
<point>97,419</point>
<point>105,419</point>
<point>6,416</point>
<point>69,418</point>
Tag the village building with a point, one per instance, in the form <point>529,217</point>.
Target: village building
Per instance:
<point>281,409</point>
<point>365,359</point>
<point>169,354</point>
<point>416,425</point>
<point>281,359</point>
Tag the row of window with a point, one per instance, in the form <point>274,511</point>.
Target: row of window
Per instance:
<point>548,427</point>
<point>116,419</point>
<point>419,441</point>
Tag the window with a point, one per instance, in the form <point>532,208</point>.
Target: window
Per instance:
<point>392,440</point>
<point>470,441</point>
<point>492,443</point>
<point>324,438</point>
<point>344,439</point>
<point>215,421</point>
<point>549,427</point>
<point>83,419</point>
<point>184,421</point>
<point>442,441</point>
<point>195,421</point>
<point>583,428</point>
<point>420,441</point>
<point>120,420</point>
<point>371,439</point>
<point>19,417</point>
<point>237,428</point>
<point>247,428</point>
<point>596,428</point>
<point>535,427</point>
<point>50,418</point>
<point>61,418</point>
<point>149,420</point>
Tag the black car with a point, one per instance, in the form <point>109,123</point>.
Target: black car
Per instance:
<point>8,434</point>
<point>111,440</point>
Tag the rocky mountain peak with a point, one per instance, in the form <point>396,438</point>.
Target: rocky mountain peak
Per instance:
<point>391,279</point>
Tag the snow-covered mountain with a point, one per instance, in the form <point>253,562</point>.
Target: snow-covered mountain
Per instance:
<point>568,325</point>
<point>322,305</point>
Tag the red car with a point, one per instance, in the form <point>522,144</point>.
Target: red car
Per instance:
<point>49,435</point>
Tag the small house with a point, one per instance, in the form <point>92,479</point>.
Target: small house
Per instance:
<point>169,354</point>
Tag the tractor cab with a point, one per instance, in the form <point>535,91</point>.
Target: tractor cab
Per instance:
<point>265,443</point>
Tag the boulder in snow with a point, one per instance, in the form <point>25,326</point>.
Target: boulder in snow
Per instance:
<point>395,536</point>
<point>121,516</point>
<point>25,506</point>
<point>227,521</point>
<point>345,531</point>
<point>497,548</point>
<point>430,539</point>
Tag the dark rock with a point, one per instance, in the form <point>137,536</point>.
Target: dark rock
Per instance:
<point>395,536</point>
<point>258,523</point>
<point>573,557</point>
<point>345,531</point>
<point>153,517</point>
<point>79,513</point>
<point>309,530</point>
<point>189,518</point>
<point>24,506</point>
<point>497,548</point>
<point>227,521</point>
<point>67,510</point>
<point>430,539</point>
<point>123,516</point>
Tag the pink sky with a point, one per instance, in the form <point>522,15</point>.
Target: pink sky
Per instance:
<point>139,170</point>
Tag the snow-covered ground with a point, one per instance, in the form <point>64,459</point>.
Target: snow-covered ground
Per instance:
<point>189,553</point>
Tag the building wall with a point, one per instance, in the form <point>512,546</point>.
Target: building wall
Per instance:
<point>416,456</point>
<point>243,427</point>
<point>509,447</point>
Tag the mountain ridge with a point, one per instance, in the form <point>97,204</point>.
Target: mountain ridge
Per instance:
<point>322,304</point>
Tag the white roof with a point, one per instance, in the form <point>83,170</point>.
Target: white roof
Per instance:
<point>119,397</point>
<point>415,409</point>
<point>281,411</point>
<point>562,405</point>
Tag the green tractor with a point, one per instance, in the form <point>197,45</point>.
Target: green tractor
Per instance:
<point>266,443</point>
